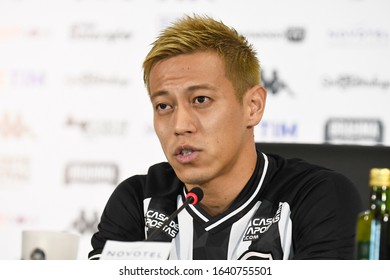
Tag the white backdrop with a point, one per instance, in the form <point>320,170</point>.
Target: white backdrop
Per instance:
<point>75,118</point>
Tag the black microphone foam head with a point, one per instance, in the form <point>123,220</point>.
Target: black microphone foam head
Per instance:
<point>198,192</point>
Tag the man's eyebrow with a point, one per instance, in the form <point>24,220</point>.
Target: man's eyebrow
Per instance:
<point>201,86</point>
<point>156,94</point>
<point>193,88</point>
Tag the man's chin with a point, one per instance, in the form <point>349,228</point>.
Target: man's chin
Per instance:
<point>191,179</point>
<point>190,175</point>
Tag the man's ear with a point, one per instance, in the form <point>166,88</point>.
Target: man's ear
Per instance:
<point>254,100</point>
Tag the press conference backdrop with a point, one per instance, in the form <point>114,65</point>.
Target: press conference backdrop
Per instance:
<point>75,118</point>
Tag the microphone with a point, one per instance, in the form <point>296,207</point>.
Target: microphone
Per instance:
<point>193,197</point>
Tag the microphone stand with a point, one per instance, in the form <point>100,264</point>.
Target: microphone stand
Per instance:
<point>159,230</point>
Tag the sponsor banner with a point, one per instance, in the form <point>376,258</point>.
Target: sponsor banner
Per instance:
<point>15,127</point>
<point>75,116</point>
<point>91,173</point>
<point>352,82</point>
<point>354,131</point>
<point>14,171</point>
<point>291,34</point>
<point>277,130</point>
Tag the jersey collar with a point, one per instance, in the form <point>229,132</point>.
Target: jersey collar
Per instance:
<point>244,202</point>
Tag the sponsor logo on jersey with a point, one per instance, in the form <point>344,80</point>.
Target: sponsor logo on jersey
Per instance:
<point>155,219</point>
<point>259,225</point>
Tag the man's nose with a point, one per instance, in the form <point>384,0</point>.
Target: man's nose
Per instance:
<point>184,120</point>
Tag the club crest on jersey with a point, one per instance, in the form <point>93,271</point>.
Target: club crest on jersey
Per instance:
<point>259,225</point>
<point>155,219</point>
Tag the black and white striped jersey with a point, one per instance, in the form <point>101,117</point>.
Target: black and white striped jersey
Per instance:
<point>289,209</point>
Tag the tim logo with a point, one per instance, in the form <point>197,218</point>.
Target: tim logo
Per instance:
<point>274,84</point>
<point>354,130</point>
<point>259,225</point>
<point>22,79</point>
<point>277,130</point>
<point>155,219</point>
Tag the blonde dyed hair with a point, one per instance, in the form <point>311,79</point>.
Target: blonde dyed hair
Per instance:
<point>202,33</point>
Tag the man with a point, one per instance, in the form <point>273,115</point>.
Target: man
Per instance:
<point>203,80</point>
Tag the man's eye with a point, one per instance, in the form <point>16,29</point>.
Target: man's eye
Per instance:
<point>162,106</point>
<point>201,99</point>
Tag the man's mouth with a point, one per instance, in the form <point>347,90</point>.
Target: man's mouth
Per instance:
<point>185,152</point>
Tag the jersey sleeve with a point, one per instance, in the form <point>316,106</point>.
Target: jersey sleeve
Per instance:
<point>324,218</point>
<point>122,218</point>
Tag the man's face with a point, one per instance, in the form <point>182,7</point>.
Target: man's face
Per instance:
<point>201,125</point>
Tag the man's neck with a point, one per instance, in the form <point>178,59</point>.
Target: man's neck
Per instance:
<point>220,195</point>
